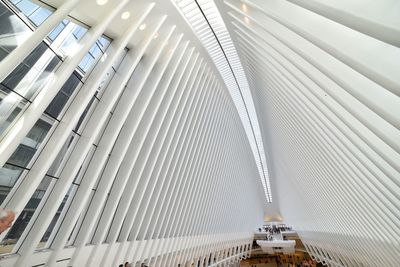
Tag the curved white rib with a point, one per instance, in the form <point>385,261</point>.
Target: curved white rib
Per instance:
<point>326,85</point>
<point>207,23</point>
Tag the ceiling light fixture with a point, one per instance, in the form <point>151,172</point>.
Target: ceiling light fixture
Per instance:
<point>125,15</point>
<point>142,27</point>
<point>101,2</point>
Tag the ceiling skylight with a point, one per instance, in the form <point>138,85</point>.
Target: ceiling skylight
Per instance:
<point>207,23</point>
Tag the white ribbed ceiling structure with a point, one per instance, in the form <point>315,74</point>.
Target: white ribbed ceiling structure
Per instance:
<point>163,133</point>
<point>207,23</point>
<point>325,79</point>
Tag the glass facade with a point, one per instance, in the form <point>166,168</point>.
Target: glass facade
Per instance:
<point>19,89</point>
<point>13,31</point>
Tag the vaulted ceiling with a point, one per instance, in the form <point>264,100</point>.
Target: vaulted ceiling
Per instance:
<point>316,86</point>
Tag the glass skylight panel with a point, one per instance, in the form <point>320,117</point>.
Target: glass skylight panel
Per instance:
<point>228,63</point>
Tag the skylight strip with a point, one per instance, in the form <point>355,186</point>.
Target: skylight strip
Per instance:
<point>227,61</point>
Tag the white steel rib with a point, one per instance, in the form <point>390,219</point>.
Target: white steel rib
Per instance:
<point>207,23</point>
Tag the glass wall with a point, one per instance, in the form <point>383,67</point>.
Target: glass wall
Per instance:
<point>18,19</point>
<point>13,31</point>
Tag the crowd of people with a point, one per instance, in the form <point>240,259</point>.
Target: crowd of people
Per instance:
<point>294,261</point>
<point>274,229</point>
<point>127,264</point>
<point>298,259</point>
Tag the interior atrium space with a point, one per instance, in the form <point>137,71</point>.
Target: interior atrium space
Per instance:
<point>193,133</point>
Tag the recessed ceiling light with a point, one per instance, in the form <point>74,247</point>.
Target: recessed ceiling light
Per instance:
<point>142,27</point>
<point>125,15</point>
<point>244,7</point>
<point>247,20</point>
<point>101,2</point>
<point>156,35</point>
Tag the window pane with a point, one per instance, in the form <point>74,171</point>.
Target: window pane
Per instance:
<point>27,7</point>
<point>70,43</point>
<point>40,15</point>
<point>25,81</point>
<point>23,219</point>
<point>8,176</point>
<point>27,149</point>
<point>62,156</point>
<point>12,31</point>
<point>33,72</point>
<point>86,62</point>
<point>35,55</point>
<point>58,217</point>
<point>58,103</point>
<point>95,51</point>
<point>44,76</point>
<point>54,33</point>
<point>11,106</point>
<point>85,164</point>
<point>83,119</point>
<point>37,134</point>
<point>103,43</point>
<point>22,155</point>
<point>78,32</point>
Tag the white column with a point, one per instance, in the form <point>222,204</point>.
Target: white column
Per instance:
<point>98,199</point>
<point>190,142</point>
<point>176,148</point>
<point>159,147</point>
<point>118,47</point>
<point>180,221</point>
<point>127,168</point>
<point>134,87</point>
<point>148,145</point>
<point>135,233</point>
<point>134,127</point>
<point>174,119</point>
